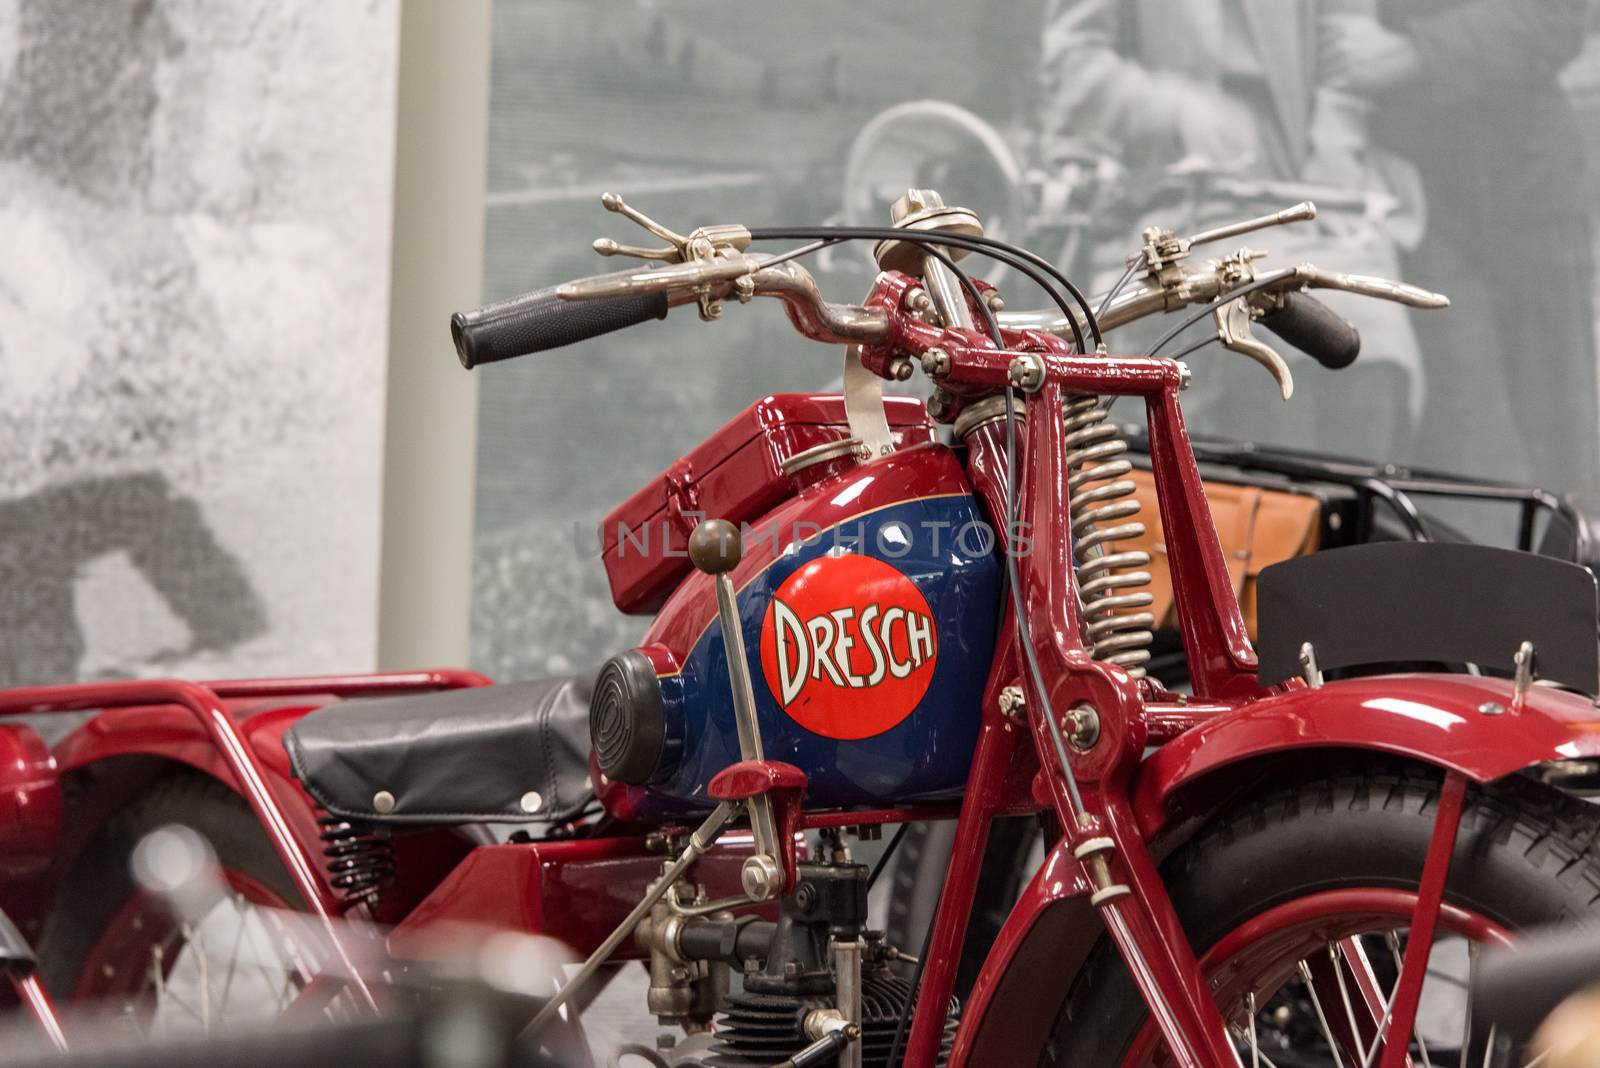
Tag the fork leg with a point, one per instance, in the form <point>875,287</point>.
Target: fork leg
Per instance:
<point>1424,920</point>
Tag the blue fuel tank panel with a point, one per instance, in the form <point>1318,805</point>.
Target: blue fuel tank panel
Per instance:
<point>870,633</point>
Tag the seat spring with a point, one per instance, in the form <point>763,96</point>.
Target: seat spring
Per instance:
<point>359,860</point>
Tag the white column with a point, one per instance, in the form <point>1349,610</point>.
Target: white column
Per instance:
<point>430,437</point>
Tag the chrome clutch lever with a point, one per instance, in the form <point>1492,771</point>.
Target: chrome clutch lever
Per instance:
<point>1233,320</point>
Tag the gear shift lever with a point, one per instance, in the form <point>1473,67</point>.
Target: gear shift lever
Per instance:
<point>715,548</point>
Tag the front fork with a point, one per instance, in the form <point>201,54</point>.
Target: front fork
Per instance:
<point>1088,785</point>
<point>1097,823</point>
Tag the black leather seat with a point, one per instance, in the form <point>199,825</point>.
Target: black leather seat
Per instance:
<point>499,754</point>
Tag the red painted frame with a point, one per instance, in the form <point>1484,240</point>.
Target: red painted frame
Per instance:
<point>1222,665</point>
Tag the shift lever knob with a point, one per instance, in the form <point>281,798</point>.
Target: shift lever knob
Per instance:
<point>714,546</point>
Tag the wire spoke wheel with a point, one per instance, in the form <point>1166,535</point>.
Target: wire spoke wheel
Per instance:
<point>1299,898</point>
<point>1311,984</point>
<point>179,918</point>
<point>244,958</point>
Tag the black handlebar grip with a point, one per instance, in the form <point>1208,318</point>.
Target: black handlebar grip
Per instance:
<point>1316,330</point>
<point>541,320</point>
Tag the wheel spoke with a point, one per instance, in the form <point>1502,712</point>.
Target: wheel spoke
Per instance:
<point>242,913</point>
<point>1392,940</point>
<point>203,965</point>
<point>1344,995</point>
<point>1466,1026</point>
<point>1383,1024</point>
<point>1322,1017</point>
<point>1255,1043</point>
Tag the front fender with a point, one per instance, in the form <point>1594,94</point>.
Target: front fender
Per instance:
<point>1458,722</point>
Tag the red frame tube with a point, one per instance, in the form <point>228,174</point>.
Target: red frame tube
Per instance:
<point>1132,898</point>
<point>33,997</point>
<point>204,701</point>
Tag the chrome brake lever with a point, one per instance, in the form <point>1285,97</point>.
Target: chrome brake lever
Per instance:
<point>686,277</point>
<point>1233,329</point>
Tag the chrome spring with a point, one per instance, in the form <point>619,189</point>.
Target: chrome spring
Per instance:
<point>359,860</point>
<point>1102,508</point>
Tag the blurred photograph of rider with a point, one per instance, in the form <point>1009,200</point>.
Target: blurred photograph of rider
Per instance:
<point>1191,96</point>
<point>1435,140</point>
<point>1468,90</point>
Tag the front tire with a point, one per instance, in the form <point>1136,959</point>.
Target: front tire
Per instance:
<point>1524,857</point>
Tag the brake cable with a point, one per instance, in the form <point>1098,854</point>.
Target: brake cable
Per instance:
<point>1045,274</point>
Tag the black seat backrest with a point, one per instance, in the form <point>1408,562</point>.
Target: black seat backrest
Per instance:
<point>1436,602</point>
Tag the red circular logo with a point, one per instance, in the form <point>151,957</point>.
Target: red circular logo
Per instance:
<point>848,646</point>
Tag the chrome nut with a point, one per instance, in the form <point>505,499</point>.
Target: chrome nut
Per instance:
<point>1027,372</point>
<point>760,877</point>
<point>1082,726</point>
<point>936,361</point>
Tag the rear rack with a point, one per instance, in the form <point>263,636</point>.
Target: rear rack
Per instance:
<point>1390,486</point>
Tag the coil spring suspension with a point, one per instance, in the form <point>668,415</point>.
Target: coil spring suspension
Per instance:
<point>1102,509</point>
<point>358,860</point>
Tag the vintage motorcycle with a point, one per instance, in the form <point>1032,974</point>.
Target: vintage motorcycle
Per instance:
<point>1257,871</point>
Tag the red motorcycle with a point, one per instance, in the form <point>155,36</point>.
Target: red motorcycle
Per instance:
<point>860,623</point>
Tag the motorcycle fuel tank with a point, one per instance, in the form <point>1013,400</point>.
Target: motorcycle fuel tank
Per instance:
<point>869,602</point>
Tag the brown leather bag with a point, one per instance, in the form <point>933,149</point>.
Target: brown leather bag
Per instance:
<point>1257,527</point>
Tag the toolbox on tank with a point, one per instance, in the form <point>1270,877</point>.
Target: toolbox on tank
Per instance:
<point>737,474</point>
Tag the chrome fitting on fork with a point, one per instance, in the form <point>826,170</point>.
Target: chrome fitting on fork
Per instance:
<point>1092,852</point>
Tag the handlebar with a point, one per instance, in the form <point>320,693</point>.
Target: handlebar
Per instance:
<point>711,266</point>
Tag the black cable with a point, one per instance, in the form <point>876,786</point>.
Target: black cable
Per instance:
<point>916,984</point>
<point>1210,339</point>
<point>1029,263</point>
<point>883,861</point>
<point>1111,294</point>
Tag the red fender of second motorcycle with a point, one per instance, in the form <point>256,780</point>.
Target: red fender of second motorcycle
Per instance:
<point>1472,725</point>
<point>173,734</point>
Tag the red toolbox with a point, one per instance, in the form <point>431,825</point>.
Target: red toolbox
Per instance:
<point>736,474</point>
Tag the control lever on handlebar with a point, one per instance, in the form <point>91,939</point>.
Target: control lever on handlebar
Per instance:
<point>682,279</point>
<point>1314,277</point>
<point>1301,212</point>
<point>1233,328</point>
